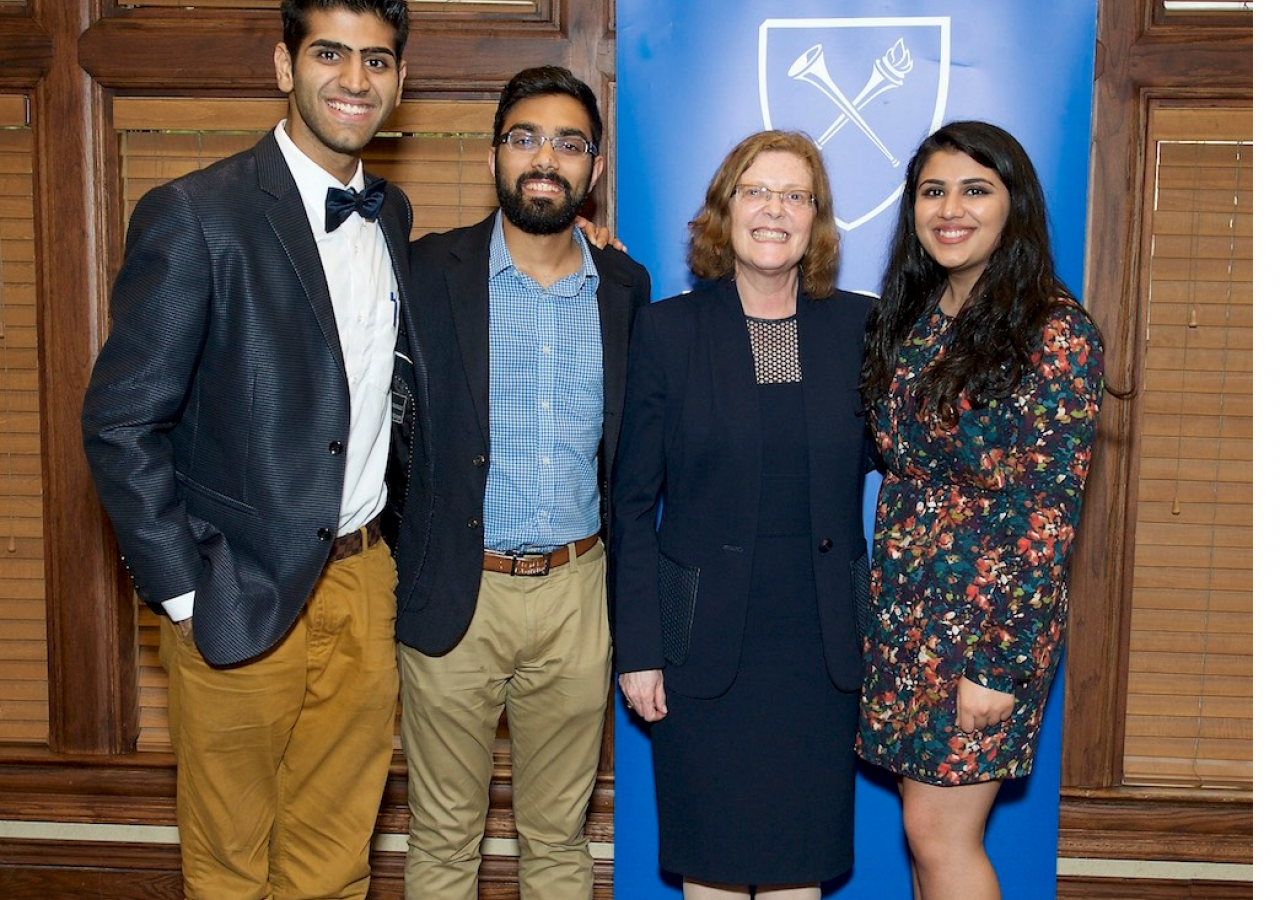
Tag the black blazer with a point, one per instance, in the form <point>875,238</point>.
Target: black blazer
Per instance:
<point>691,439</point>
<point>441,532</point>
<point>217,414</point>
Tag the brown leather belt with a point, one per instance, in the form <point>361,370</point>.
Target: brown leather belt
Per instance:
<point>535,563</point>
<point>356,542</point>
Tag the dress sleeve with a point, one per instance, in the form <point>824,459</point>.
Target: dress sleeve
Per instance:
<point>1059,407</point>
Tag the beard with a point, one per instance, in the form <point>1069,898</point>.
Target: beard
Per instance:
<point>540,215</point>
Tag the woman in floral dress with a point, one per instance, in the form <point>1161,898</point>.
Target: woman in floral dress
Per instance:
<point>983,377</point>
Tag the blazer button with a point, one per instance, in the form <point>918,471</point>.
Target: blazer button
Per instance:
<point>479,460</point>
<point>335,447</point>
<point>324,534</point>
<point>473,524</point>
<point>825,545</point>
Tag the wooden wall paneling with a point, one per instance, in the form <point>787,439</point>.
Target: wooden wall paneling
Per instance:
<point>1158,825</point>
<point>176,51</point>
<point>1077,888</point>
<point>1137,56</point>
<point>44,787</point>
<point>56,870</point>
<point>90,617</point>
<point>451,48</point>
<point>28,48</point>
<point>32,870</point>
<point>1094,675</point>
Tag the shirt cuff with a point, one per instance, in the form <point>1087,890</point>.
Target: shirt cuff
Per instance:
<point>181,607</point>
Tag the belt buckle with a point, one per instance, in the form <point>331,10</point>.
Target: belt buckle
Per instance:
<point>519,558</point>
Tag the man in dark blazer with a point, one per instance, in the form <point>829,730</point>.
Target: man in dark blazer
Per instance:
<point>237,425</point>
<point>523,329</point>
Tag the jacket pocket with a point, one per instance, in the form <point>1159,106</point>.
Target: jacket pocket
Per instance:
<point>191,486</point>
<point>860,576</point>
<point>677,598</point>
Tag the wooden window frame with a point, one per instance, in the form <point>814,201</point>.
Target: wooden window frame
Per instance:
<point>1143,57</point>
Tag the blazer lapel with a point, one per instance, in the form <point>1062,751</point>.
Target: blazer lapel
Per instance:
<point>395,229</point>
<point>289,220</point>
<point>613,299</point>
<point>467,283</point>
<point>732,377</point>
<point>824,352</point>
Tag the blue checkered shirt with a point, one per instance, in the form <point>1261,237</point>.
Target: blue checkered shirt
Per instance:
<point>546,405</point>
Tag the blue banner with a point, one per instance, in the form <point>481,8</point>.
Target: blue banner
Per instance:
<point>697,76</point>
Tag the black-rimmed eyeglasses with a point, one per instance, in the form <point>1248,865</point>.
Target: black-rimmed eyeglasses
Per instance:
<point>568,146</point>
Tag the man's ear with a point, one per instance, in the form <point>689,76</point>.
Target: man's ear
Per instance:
<point>404,70</point>
<point>284,69</point>
<point>597,169</point>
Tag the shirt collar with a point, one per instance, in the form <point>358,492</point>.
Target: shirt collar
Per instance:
<point>500,257</point>
<point>312,180</point>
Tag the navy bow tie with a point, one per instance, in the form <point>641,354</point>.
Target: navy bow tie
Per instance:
<point>340,203</point>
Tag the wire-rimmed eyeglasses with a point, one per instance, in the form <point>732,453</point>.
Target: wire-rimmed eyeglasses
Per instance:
<point>568,146</point>
<point>759,195</point>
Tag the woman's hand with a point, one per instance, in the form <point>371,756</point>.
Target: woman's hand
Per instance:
<point>978,707</point>
<point>645,693</point>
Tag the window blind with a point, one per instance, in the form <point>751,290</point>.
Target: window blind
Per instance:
<point>24,679</point>
<point>1190,686</point>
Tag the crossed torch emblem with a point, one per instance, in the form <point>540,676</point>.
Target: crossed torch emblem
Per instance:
<point>887,73</point>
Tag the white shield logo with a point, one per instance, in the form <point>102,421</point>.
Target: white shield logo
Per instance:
<point>867,91</point>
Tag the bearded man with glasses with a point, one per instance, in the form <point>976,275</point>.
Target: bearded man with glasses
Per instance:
<point>520,333</point>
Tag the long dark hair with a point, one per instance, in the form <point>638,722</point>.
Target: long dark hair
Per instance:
<point>1002,322</point>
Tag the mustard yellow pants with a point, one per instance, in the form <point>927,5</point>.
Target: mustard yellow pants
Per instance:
<point>282,761</point>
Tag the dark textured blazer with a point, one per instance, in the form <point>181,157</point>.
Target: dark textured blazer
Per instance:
<point>441,536</point>
<point>691,445</point>
<point>216,418</point>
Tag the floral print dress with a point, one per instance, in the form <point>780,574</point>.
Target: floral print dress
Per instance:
<point>974,528</point>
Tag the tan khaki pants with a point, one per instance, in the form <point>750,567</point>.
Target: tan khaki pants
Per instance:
<point>538,646</point>
<point>282,761</point>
